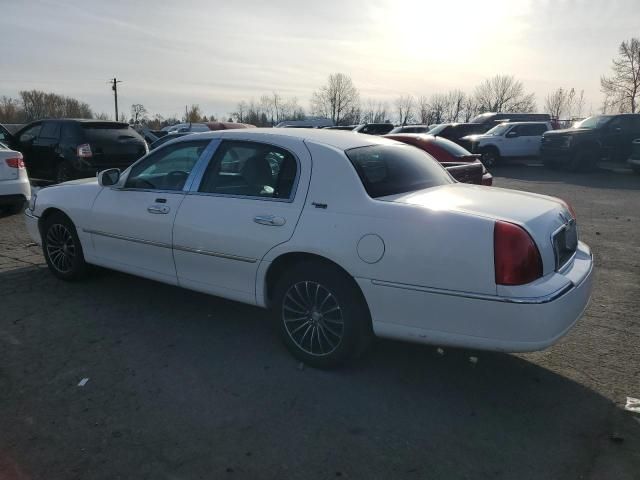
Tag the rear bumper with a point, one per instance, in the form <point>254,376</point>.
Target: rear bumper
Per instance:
<point>510,324</point>
<point>15,191</point>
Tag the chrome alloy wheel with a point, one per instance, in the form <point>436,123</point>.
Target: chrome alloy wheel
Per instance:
<point>312,317</point>
<point>61,249</point>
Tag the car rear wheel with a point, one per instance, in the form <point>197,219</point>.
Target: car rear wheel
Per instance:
<point>584,160</point>
<point>321,315</point>
<point>490,156</point>
<point>62,249</point>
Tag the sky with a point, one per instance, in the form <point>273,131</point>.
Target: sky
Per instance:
<point>216,53</point>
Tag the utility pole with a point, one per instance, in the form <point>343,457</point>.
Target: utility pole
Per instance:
<point>114,86</point>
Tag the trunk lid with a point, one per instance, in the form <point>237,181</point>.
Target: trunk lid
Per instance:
<point>546,219</point>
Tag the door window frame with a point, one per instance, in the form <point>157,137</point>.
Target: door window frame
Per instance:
<point>204,158</point>
<point>201,167</point>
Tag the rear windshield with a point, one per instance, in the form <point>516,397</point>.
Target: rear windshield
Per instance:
<point>392,169</point>
<point>451,148</point>
<point>97,132</point>
<point>438,129</point>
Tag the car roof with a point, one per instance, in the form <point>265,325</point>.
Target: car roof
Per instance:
<point>539,122</point>
<point>343,140</point>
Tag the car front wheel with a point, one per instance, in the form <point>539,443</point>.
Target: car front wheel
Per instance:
<point>62,248</point>
<point>321,315</point>
<point>490,157</point>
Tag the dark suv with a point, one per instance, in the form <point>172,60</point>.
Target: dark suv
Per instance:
<point>456,131</point>
<point>583,145</point>
<point>63,149</point>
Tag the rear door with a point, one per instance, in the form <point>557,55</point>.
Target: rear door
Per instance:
<point>248,201</point>
<point>533,135</point>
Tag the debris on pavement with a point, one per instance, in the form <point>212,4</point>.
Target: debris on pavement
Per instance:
<point>440,351</point>
<point>633,405</point>
<point>473,360</point>
<point>83,382</point>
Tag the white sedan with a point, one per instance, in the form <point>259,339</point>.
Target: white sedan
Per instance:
<point>343,236</point>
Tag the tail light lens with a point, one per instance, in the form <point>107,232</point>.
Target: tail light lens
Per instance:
<point>516,258</point>
<point>15,162</point>
<point>84,150</point>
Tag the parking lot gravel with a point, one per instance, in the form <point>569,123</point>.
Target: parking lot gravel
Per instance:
<point>119,377</point>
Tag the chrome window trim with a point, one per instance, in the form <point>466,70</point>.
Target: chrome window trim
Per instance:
<point>195,185</point>
<point>215,254</point>
<point>478,296</point>
<point>210,148</point>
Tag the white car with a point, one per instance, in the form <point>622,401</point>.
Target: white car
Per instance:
<point>15,190</point>
<point>513,139</point>
<point>341,235</point>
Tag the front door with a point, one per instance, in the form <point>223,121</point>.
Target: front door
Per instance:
<point>131,224</point>
<point>45,147</point>
<point>248,201</point>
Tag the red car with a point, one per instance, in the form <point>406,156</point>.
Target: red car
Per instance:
<point>463,165</point>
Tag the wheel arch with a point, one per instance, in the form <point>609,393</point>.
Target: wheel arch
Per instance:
<point>287,260</point>
<point>51,211</point>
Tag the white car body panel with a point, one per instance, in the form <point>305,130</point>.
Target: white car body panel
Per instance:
<point>13,181</point>
<point>423,260</point>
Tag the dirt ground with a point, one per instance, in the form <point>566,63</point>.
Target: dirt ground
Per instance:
<point>186,386</point>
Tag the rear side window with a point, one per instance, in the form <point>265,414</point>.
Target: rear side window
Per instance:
<point>451,148</point>
<point>392,169</point>
<point>50,130</point>
<point>100,132</point>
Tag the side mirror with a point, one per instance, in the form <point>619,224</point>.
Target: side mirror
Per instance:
<point>107,178</point>
<point>511,134</point>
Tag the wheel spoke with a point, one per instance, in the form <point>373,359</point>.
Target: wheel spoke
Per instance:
<point>60,247</point>
<point>312,317</point>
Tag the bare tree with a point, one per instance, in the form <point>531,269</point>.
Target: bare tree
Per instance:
<point>579,105</point>
<point>240,112</point>
<point>102,116</point>
<point>454,105</point>
<point>336,100</point>
<point>470,109</point>
<point>10,110</point>
<point>193,114</point>
<point>38,104</point>
<point>424,110</point>
<point>622,89</point>
<point>374,111</point>
<point>437,104</point>
<point>138,113</point>
<point>556,102</point>
<point>404,107</point>
<point>503,93</point>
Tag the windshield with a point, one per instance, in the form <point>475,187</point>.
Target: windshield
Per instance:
<point>390,169</point>
<point>593,122</point>
<point>498,129</point>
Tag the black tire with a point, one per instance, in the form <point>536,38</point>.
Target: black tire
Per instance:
<point>584,160</point>
<point>321,315</point>
<point>64,172</point>
<point>489,156</point>
<point>62,249</point>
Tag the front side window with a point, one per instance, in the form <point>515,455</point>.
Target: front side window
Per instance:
<point>250,169</point>
<point>392,169</point>
<point>167,168</point>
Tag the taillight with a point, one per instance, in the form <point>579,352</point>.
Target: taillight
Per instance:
<point>15,162</point>
<point>516,258</point>
<point>84,150</point>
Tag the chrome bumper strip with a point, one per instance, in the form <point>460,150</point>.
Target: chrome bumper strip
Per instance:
<point>478,296</point>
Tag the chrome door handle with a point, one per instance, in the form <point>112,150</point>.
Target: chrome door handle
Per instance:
<point>158,209</point>
<point>271,220</point>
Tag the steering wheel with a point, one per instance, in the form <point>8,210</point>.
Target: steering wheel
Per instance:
<point>177,178</point>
